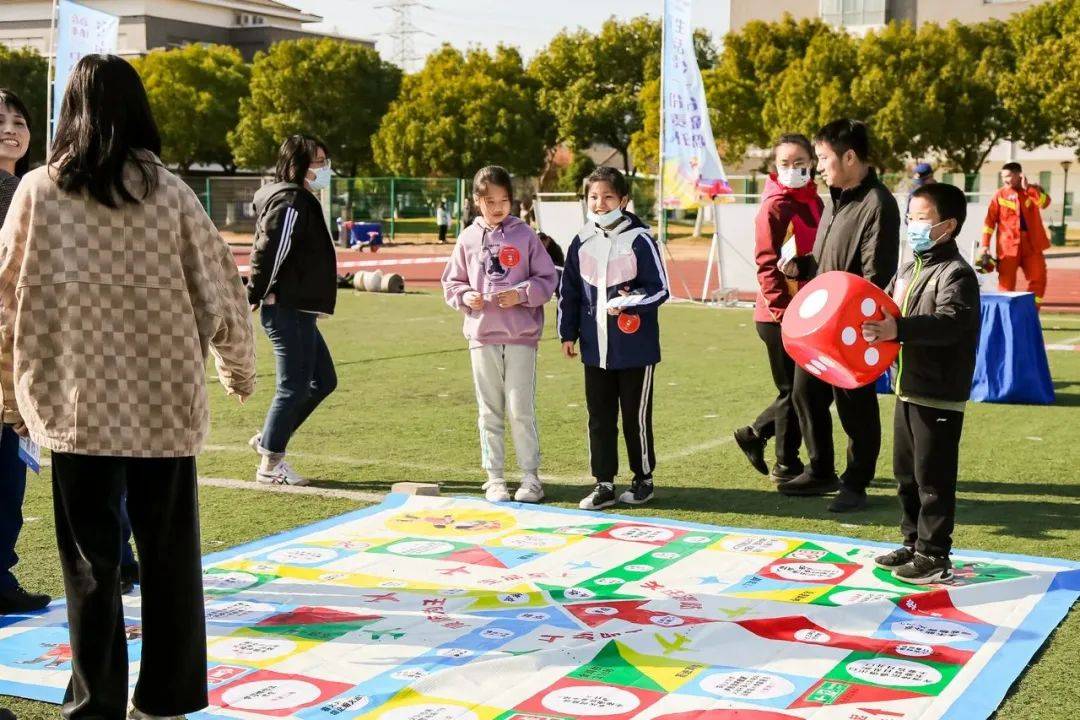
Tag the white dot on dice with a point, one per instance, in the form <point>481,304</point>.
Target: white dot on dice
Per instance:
<point>869,307</point>
<point>849,336</point>
<point>814,303</point>
<point>871,356</point>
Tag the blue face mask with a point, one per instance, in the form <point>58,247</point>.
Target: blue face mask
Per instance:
<point>322,178</point>
<point>607,218</point>
<point>918,235</point>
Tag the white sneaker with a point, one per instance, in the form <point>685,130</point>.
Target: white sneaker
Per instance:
<point>280,474</point>
<point>135,713</point>
<point>496,491</point>
<point>531,491</point>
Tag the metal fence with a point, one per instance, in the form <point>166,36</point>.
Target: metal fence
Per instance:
<point>406,207</point>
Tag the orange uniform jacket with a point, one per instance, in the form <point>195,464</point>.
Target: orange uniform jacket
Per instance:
<point>1004,216</point>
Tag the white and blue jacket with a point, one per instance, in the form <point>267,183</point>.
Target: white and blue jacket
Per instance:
<point>602,264</point>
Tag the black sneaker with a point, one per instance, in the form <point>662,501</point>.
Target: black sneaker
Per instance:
<point>848,501</point>
<point>896,558</point>
<point>640,492</point>
<point>602,496</point>
<point>17,600</point>
<point>786,473</point>
<point>924,570</point>
<point>753,446</point>
<point>809,484</point>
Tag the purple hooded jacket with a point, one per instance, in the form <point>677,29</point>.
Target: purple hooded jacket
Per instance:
<point>489,261</point>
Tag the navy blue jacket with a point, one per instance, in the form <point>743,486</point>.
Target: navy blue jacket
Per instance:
<point>604,264</point>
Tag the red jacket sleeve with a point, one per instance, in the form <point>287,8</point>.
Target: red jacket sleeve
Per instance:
<point>770,231</point>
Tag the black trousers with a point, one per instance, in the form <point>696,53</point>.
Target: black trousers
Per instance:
<point>162,501</point>
<point>606,392</point>
<point>442,232</point>
<point>779,420</point>
<point>925,458</point>
<point>858,411</point>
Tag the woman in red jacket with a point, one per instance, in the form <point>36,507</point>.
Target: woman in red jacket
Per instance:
<point>785,225</point>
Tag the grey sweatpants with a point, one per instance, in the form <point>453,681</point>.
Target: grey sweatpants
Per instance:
<point>505,379</point>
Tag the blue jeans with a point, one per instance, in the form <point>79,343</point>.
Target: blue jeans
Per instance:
<point>12,489</point>
<point>305,372</point>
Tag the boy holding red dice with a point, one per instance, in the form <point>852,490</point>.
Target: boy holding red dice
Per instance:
<point>938,331</point>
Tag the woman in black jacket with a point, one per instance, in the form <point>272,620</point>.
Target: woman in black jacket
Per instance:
<point>294,282</point>
<point>14,161</point>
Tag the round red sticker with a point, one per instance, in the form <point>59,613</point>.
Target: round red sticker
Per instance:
<point>509,256</point>
<point>629,324</point>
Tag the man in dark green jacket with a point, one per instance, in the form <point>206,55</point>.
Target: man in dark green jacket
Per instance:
<point>859,233</point>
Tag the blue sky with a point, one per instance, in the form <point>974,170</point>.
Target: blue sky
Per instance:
<point>528,24</point>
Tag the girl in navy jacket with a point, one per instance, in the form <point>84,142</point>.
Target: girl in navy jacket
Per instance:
<point>612,285</point>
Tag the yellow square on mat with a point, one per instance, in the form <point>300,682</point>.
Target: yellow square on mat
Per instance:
<point>411,705</point>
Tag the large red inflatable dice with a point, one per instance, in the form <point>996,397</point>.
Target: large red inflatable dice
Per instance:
<point>822,329</point>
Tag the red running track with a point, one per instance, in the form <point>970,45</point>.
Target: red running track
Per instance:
<point>422,266</point>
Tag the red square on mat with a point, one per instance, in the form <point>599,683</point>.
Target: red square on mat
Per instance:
<point>641,533</point>
<point>275,694</point>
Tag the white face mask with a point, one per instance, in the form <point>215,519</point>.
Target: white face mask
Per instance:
<point>793,178</point>
<point>322,178</point>
<point>606,219</point>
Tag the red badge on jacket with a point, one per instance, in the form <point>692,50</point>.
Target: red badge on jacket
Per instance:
<point>628,323</point>
<point>509,256</point>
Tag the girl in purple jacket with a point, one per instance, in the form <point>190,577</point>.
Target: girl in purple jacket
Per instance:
<point>499,278</point>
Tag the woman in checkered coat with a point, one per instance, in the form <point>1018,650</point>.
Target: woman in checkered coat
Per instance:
<point>114,287</point>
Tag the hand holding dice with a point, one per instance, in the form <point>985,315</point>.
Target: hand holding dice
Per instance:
<point>875,331</point>
<point>842,329</point>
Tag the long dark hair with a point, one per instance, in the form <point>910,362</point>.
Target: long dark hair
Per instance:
<point>295,156</point>
<point>105,123</point>
<point>12,101</point>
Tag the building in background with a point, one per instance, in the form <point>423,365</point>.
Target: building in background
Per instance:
<point>145,25</point>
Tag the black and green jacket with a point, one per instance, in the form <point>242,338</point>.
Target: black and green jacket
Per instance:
<point>938,294</point>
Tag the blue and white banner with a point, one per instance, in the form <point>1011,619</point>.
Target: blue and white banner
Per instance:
<point>690,164</point>
<point>80,31</point>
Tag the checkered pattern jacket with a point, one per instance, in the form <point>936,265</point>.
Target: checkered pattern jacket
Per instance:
<point>107,316</point>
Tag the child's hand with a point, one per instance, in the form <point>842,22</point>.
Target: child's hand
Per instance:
<point>568,350</point>
<point>789,268</point>
<point>509,298</point>
<point>875,331</point>
<point>473,300</point>
<point>615,310</point>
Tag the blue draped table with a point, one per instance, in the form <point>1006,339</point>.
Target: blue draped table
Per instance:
<point>1011,365</point>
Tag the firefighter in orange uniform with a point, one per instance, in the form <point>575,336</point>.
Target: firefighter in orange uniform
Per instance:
<point>1021,237</point>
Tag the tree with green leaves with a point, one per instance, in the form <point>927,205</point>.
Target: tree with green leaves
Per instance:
<point>195,93</point>
<point>815,89</point>
<point>590,82</point>
<point>965,65</point>
<point>462,112</point>
<point>895,91</point>
<point>1043,94</point>
<point>749,72</point>
<point>24,72</point>
<point>336,90</point>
